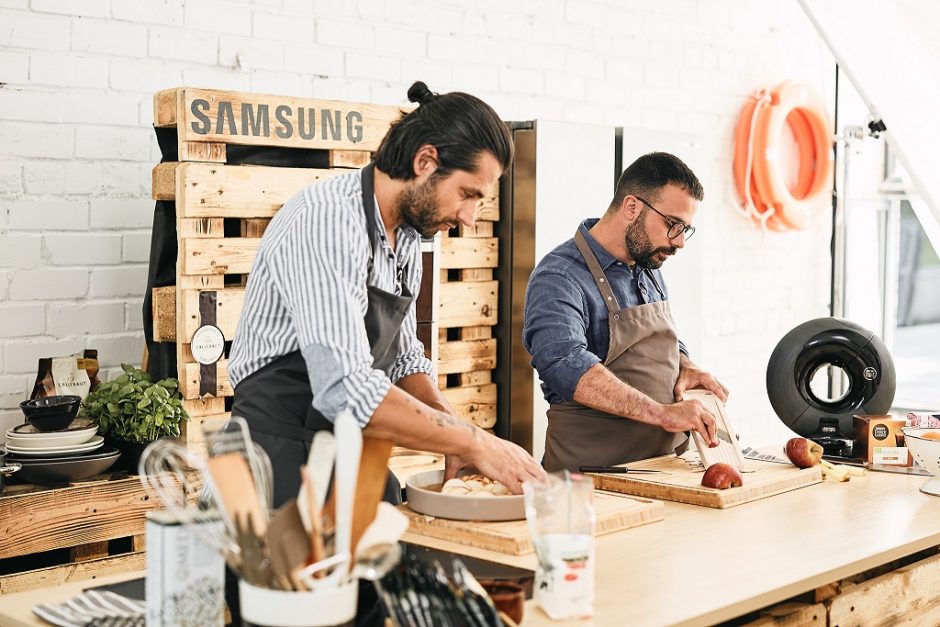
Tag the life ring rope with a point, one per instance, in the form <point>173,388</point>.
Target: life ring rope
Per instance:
<point>749,208</point>
<point>764,196</point>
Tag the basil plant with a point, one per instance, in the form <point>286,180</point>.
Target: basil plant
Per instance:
<point>133,408</point>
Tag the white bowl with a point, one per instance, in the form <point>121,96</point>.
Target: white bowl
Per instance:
<point>927,453</point>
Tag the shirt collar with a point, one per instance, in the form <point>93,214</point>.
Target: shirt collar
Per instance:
<point>404,232</point>
<point>603,257</point>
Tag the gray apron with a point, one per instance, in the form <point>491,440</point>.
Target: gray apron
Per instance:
<point>643,352</point>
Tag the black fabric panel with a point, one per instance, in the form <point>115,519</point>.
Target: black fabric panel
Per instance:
<point>162,272</point>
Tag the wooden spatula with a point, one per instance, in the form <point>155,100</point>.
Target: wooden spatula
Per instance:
<point>373,474</point>
<point>236,489</point>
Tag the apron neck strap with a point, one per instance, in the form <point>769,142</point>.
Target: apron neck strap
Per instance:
<point>597,272</point>
<point>368,207</point>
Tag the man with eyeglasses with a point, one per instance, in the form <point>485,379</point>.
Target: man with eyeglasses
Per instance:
<point>600,332</point>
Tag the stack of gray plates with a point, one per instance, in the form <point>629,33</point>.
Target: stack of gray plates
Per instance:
<point>71,454</point>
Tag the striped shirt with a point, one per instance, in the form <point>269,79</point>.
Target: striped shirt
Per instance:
<point>307,292</point>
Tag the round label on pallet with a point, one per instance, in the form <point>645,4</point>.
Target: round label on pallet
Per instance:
<point>207,344</point>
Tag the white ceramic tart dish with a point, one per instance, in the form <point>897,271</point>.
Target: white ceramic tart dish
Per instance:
<point>44,451</point>
<point>424,496</point>
<point>23,439</point>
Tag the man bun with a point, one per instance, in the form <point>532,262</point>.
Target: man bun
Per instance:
<point>419,92</point>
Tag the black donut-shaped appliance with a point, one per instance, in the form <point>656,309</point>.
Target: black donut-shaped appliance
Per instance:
<point>814,345</point>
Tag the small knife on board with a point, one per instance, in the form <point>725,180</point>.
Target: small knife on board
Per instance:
<point>619,470</point>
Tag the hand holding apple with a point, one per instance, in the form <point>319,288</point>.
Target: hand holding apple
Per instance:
<point>722,477</point>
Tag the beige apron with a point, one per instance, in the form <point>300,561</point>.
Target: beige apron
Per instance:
<point>643,352</point>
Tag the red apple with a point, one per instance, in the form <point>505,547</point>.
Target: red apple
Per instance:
<point>722,476</point>
<point>804,453</point>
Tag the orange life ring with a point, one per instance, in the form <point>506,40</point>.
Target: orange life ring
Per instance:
<point>758,175</point>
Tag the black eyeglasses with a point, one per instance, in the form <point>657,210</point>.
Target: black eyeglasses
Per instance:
<point>676,227</point>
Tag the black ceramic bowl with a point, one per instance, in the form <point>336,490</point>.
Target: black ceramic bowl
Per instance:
<point>51,413</point>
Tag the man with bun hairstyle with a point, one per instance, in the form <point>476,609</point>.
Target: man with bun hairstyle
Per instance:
<point>329,317</point>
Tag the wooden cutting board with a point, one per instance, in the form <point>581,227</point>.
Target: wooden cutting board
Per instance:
<point>684,482</point>
<point>613,512</point>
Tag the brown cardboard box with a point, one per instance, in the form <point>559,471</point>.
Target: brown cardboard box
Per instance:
<point>879,440</point>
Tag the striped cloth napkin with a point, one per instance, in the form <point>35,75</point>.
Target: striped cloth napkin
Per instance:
<point>94,609</point>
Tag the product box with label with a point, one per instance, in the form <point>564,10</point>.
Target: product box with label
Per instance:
<point>879,440</point>
<point>185,576</point>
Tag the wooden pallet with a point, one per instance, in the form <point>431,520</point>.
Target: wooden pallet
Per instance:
<point>222,210</point>
<point>457,303</point>
<point>466,315</point>
<point>84,529</point>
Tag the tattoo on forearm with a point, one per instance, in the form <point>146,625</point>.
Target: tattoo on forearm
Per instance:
<point>446,420</point>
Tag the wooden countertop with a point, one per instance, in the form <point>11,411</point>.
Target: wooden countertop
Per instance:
<point>702,566</point>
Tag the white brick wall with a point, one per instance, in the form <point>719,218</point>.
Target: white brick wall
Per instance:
<point>76,145</point>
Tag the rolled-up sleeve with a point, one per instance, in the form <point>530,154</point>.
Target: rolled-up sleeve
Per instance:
<point>554,332</point>
<point>321,278</point>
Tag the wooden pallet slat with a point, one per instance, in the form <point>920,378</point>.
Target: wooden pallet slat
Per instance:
<point>468,304</point>
<point>469,252</point>
<point>205,116</point>
<point>190,228</point>
<point>45,519</point>
<point>474,403</point>
<point>229,191</point>
<point>456,357</point>
<point>230,255</point>
<point>894,598</point>
<point>77,571</point>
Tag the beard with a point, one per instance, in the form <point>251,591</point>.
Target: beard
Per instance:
<point>417,205</point>
<point>639,246</point>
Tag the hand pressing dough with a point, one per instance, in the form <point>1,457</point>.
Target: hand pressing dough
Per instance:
<point>474,485</point>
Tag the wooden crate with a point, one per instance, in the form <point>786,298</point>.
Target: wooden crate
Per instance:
<point>81,530</point>
<point>899,592</point>
<point>456,306</point>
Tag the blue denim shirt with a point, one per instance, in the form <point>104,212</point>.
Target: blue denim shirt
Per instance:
<point>565,326</point>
